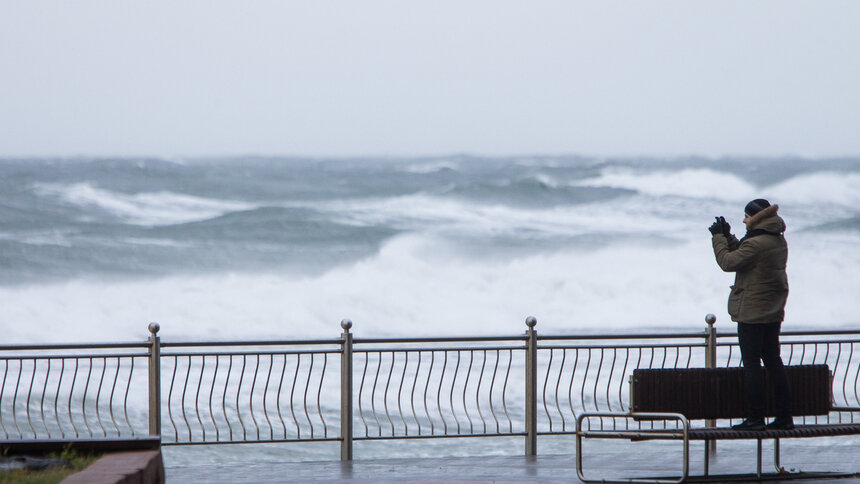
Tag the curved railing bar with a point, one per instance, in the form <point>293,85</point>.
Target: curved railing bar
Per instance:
<point>439,393</point>
<point>836,368</point>
<point>182,399</point>
<point>238,393</point>
<point>224,398</point>
<point>426,386</point>
<point>505,391</point>
<point>2,391</point>
<point>845,376</point>
<point>305,398</point>
<point>112,393</point>
<point>98,395</point>
<point>492,385</point>
<point>72,392</point>
<point>451,395</point>
<point>15,396</point>
<point>319,392</point>
<point>597,382</point>
<point>251,396</point>
<point>465,387</point>
<point>211,393</point>
<point>84,396</point>
<point>125,398</point>
<point>385,395</point>
<point>266,394</point>
<point>197,397</point>
<point>373,394</point>
<point>856,377</point>
<point>292,397</point>
<point>184,408</point>
<point>27,400</point>
<point>621,384</point>
<point>609,381</point>
<point>361,393</point>
<point>478,392</point>
<point>638,363</point>
<point>543,391</point>
<point>42,400</point>
<point>400,392</point>
<point>570,385</point>
<point>585,379</point>
<point>278,399</point>
<point>412,396</point>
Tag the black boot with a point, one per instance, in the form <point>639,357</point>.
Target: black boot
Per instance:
<point>781,423</point>
<point>750,424</point>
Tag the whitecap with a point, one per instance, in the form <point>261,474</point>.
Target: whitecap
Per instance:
<point>691,183</point>
<point>823,189</point>
<point>432,167</point>
<point>147,208</point>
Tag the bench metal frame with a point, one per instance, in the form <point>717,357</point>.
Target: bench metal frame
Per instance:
<point>683,434</point>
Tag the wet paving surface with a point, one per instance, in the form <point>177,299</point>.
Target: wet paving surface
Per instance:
<point>601,461</point>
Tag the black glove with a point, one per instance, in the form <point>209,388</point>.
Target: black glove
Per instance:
<point>716,227</point>
<point>727,229</point>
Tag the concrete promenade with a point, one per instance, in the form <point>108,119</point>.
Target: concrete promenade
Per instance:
<point>637,459</point>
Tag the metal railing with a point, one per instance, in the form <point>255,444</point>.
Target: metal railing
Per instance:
<point>353,389</point>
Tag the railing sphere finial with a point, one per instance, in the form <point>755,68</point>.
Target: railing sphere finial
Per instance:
<point>710,319</point>
<point>154,328</point>
<point>531,321</point>
<point>346,324</point>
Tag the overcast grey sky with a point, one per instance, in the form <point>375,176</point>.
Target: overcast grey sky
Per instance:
<point>370,77</point>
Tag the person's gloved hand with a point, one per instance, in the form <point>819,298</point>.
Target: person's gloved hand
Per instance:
<point>727,229</point>
<point>716,227</point>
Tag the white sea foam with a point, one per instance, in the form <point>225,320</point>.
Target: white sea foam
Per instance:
<point>153,208</point>
<point>823,190</point>
<point>437,214</point>
<point>690,183</point>
<point>420,285</point>
<point>431,167</point>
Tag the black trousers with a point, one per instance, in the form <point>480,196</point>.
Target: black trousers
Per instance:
<point>760,343</point>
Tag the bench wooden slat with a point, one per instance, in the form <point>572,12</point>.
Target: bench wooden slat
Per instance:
<point>719,393</point>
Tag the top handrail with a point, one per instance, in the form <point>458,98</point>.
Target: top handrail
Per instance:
<point>198,344</point>
<point>448,339</point>
<point>698,334</point>
<point>405,340</point>
<point>833,332</point>
<point>72,346</point>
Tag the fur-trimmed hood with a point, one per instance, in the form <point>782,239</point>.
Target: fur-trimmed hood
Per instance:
<point>767,220</point>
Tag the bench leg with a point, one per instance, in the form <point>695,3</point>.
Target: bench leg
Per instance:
<point>758,460</point>
<point>683,435</point>
<point>776,465</point>
<point>707,456</point>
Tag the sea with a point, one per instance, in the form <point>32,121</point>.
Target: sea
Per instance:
<point>247,248</point>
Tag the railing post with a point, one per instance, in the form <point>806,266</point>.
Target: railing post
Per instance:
<point>531,386</point>
<point>711,362</point>
<point>346,392</point>
<point>154,380</point>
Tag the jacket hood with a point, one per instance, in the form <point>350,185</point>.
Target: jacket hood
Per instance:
<point>767,220</point>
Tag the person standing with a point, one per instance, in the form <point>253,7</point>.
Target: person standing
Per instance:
<point>757,304</point>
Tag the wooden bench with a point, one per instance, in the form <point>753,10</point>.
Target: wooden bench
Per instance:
<point>682,395</point>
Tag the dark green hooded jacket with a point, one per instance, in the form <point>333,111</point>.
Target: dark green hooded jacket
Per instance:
<point>761,284</point>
